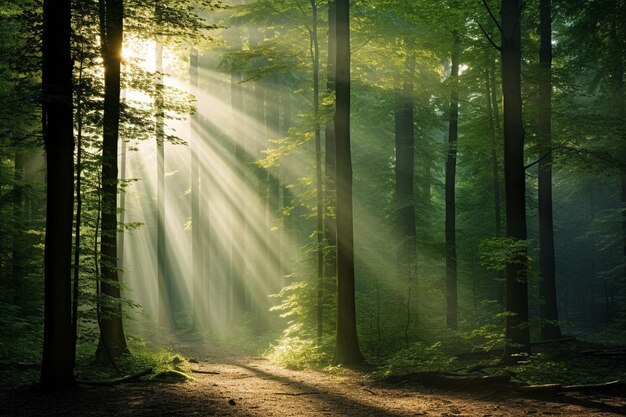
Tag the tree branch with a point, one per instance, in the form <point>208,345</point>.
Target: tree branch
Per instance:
<point>544,156</point>
<point>489,38</point>
<point>493,17</point>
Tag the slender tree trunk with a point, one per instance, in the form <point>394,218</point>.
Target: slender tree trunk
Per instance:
<point>122,209</point>
<point>237,264</point>
<point>196,223</point>
<point>17,244</point>
<point>347,350</point>
<point>493,117</point>
<point>547,286</point>
<point>57,123</point>
<point>405,189</point>
<point>517,332</point>
<point>166,289</point>
<point>275,255</point>
<point>258,297</point>
<point>319,211</point>
<point>79,201</point>
<point>450,194</point>
<point>112,342</point>
<point>330,227</point>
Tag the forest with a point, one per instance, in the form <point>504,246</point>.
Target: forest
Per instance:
<point>312,207</point>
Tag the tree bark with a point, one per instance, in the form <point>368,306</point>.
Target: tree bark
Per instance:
<point>450,194</point>
<point>547,286</point>
<point>494,127</point>
<point>404,192</point>
<point>112,343</point>
<point>319,204</point>
<point>347,350</point>
<point>57,123</point>
<point>517,332</point>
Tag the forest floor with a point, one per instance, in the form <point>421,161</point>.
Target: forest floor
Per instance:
<point>241,385</point>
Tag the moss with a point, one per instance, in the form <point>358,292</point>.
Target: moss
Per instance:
<point>171,376</point>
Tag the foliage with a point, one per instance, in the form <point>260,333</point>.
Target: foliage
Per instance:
<point>170,365</point>
<point>420,357</point>
<point>295,353</point>
<point>497,252</point>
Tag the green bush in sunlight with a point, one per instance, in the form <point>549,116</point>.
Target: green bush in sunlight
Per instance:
<point>297,353</point>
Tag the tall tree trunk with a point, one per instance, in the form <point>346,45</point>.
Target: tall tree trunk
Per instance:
<point>450,194</point>
<point>196,223</point>
<point>517,332</point>
<point>547,287</point>
<point>617,52</point>
<point>273,187</point>
<point>57,123</point>
<point>165,287</point>
<point>330,227</point>
<point>112,343</point>
<point>18,244</point>
<point>346,344</point>
<point>258,297</point>
<point>237,239</point>
<point>405,192</point>
<point>79,200</point>
<point>495,129</point>
<point>319,206</point>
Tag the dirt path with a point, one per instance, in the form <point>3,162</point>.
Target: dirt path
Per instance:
<point>244,386</point>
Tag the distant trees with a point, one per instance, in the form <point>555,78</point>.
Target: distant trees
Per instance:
<point>57,368</point>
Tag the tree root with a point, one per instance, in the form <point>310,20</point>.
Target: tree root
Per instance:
<point>557,388</point>
<point>123,380</point>
<point>200,371</point>
<point>452,381</point>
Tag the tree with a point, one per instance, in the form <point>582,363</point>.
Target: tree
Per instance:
<point>450,197</point>
<point>549,312</point>
<point>517,332</point>
<point>347,350</point>
<point>404,184</point>
<point>112,343</point>
<point>57,122</point>
<point>319,229</point>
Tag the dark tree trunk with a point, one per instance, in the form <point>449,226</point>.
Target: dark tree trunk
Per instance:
<point>450,194</point>
<point>547,287</point>
<point>517,333</point>
<point>405,190</point>
<point>79,201</point>
<point>18,244</point>
<point>617,51</point>
<point>493,115</point>
<point>330,228</point>
<point>112,343</point>
<point>57,123</point>
<point>347,345</point>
